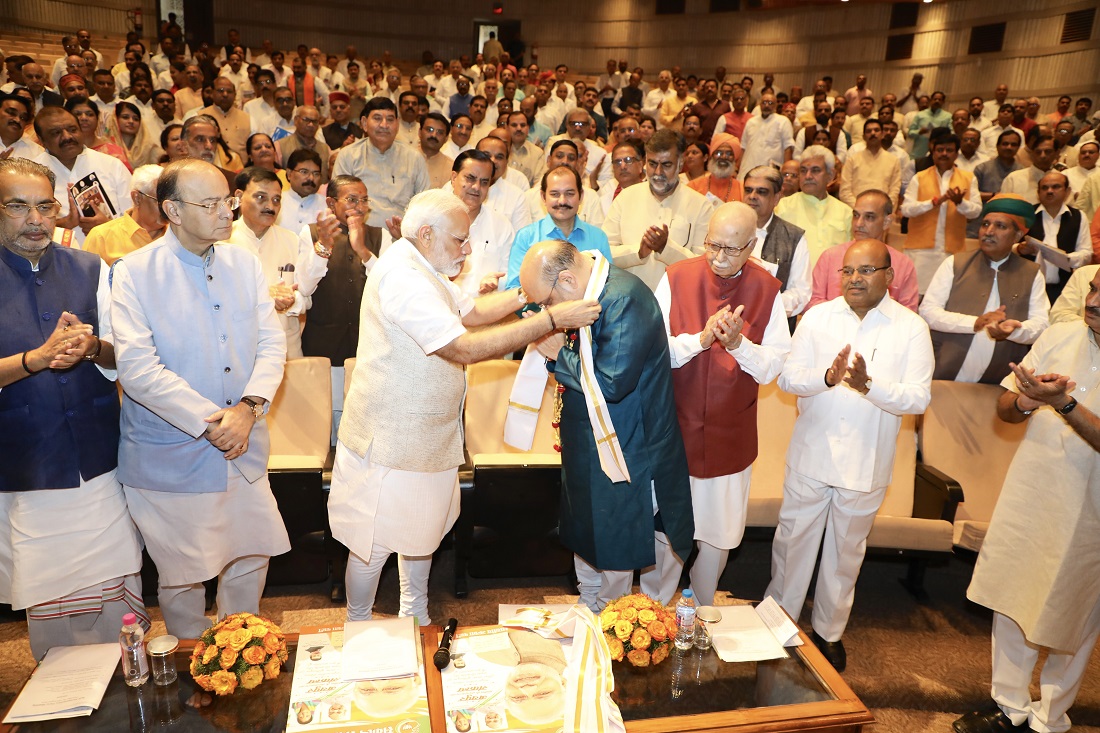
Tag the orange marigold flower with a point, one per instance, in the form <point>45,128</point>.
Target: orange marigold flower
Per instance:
<point>616,648</point>
<point>660,653</point>
<point>640,639</point>
<point>228,657</point>
<point>623,630</point>
<point>657,630</point>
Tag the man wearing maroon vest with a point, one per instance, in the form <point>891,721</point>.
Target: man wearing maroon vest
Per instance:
<point>727,334</point>
<point>986,308</point>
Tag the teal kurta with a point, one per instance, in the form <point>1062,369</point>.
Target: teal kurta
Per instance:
<point>610,525</point>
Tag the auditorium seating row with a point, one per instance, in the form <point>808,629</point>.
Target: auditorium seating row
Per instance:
<point>508,524</point>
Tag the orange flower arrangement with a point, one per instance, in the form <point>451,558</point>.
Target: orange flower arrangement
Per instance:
<point>638,628</point>
<point>240,650</point>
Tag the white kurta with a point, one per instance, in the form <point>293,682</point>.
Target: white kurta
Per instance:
<point>491,238</point>
<point>408,512</point>
<point>765,140</point>
<point>685,212</point>
<point>1040,563</point>
<point>509,202</point>
<point>933,310</point>
<point>720,504</point>
<point>112,174</point>
<point>1082,253</point>
<point>297,212</point>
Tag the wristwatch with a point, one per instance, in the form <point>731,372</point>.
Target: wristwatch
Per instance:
<point>1068,407</point>
<point>321,250</point>
<point>867,384</point>
<point>256,407</point>
<point>1022,411</point>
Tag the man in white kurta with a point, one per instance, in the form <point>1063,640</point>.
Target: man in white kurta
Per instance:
<point>491,235</point>
<point>1039,567</point>
<point>200,354</point>
<point>731,303</point>
<point>395,479</point>
<point>302,202</point>
<point>857,363</point>
<point>279,250</point>
<point>768,139</point>
<point>650,227</point>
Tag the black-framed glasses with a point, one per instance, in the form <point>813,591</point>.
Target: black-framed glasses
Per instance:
<point>729,251</point>
<point>230,202</point>
<point>865,270</point>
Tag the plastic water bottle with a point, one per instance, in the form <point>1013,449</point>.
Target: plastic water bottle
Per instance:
<point>685,621</point>
<point>135,662</point>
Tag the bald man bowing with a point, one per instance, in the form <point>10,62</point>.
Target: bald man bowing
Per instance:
<point>727,335</point>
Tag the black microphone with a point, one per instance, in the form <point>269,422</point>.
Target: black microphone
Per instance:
<point>443,654</point>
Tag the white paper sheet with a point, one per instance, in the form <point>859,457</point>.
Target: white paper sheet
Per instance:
<point>69,683</point>
<point>742,636</point>
<point>777,620</point>
<point>1053,255</point>
<point>380,649</point>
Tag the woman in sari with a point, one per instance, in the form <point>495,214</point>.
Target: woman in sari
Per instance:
<point>263,153</point>
<point>87,119</point>
<point>171,142</point>
<point>126,130</point>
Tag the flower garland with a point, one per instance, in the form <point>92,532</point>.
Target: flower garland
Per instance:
<point>571,344</point>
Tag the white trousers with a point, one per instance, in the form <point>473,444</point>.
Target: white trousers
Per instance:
<point>658,581</point>
<point>240,585</point>
<point>810,509</point>
<point>361,584</point>
<point>1014,659</point>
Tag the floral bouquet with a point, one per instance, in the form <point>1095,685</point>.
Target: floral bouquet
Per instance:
<point>639,628</point>
<point>242,649</point>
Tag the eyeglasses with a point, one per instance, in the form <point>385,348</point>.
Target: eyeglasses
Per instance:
<point>625,161</point>
<point>722,154</point>
<point>230,202</point>
<point>865,270</point>
<point>19,210</point>
<point>354,201</point>
<point>307,173</point>
<point>546,303</point>
<point>730,252</point>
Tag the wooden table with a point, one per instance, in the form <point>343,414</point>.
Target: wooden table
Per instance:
<point>802,693</point>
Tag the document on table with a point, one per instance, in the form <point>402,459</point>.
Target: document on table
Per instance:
<point>743,636</point>
<point>380,649</point>
<point>69,683</point>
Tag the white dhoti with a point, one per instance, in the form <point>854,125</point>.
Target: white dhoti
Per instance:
<point>71,558</point>
<point>720,506</point>
<point>812,508</point>
<point>376,510</point>
<point>195,537</point>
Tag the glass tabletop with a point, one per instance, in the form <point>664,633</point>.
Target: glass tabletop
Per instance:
<point>696,681</point>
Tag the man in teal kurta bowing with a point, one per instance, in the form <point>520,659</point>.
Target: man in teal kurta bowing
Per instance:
<point>644,522</point>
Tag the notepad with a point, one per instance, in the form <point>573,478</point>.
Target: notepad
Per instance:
<point>380,649</point>
<point>69,683</point>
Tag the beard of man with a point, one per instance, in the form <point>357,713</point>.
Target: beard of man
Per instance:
<point>720,167</point>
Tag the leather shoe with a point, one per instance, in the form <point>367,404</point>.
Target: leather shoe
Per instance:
<point>988,721</point>
<point>831,650</point>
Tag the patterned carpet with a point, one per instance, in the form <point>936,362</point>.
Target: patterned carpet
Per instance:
<point>917,667</point>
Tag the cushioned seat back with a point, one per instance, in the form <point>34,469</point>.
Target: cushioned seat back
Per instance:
<point>489,384</point>
<point>300,417</point>
<point>963,437</point>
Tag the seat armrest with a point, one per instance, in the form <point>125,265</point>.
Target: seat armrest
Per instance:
<point>935,494</point>
<point>326,472</point>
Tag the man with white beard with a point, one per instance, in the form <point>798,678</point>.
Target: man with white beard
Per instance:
<point>719,184</point>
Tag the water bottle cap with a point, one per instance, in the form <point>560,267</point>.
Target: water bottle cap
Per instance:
<point>687,593</point>
<point>129,619</point>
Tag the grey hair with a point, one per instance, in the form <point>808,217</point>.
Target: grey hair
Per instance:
<point>430,208</point>
<point>199,120</point>
<point>820,151</point>
<point>769,174</point>
<point>562,259</point>
<point>23,167</point>
<point>145,179</point>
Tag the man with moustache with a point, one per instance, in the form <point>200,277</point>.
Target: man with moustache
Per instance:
<point>459,141</point>
<point>872,215</point>
<point>201,135</point>
<point>15,113</point>
<point>857,363</point>
<point>491,235</point>
<point>827,221</point>
<point>568,153</point>
<point>562,195</point>
<point>1037,566</point>
<point>719,184</point>
<point>727,334</point>
<point>342,130</point>
<point>506,191</point>
<point>871,167</point>
<point>526,157</point>
<point>302,205</point>
<point>71,163</point>
<point>197,374</point>
<point>390,494</point>
<point>1061,226</point>
<point>261,194</point>
<point>433,133</point>
<point>59,492</point>
<point>650,227</point>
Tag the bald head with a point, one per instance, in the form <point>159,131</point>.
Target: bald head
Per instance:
<point>554,271</point>
<point>731,238</point>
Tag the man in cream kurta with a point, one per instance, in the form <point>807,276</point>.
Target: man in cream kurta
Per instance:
<point>650,227</point>
<point>395,479</point>
<point>200,353</point>
<point>1039,567</point>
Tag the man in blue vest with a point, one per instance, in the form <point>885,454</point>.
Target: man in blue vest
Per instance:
<point>200,354</point>
<point>59,498</point>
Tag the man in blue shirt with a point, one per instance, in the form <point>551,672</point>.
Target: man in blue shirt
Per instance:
<point>562,191</point>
